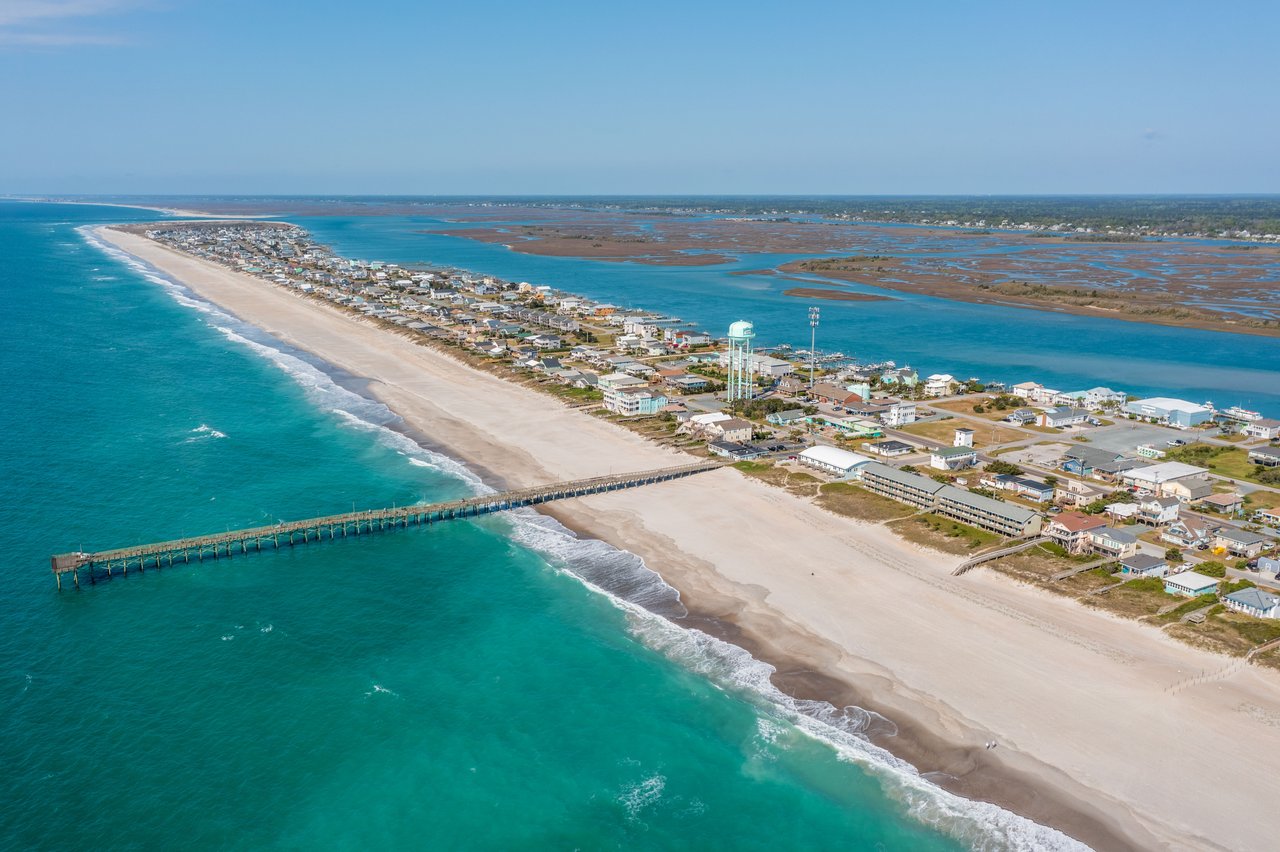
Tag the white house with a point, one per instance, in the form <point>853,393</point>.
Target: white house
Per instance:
<point>1264,428</point>
<point>731,429</point>
<point>1094,398</point>
<point>939,384</point>
<point>833,460</point>
<point>1060,417</point>
<point>953,458</point>
<point>1158,510</point>
<point>1156,478</point>
<point>898,413</point>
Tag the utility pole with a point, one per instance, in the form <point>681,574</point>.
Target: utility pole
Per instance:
<point>813,341</point>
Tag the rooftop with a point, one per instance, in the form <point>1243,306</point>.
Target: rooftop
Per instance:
<point>1164,472</point>
<point>834,456</point>
<point>1254,598</point>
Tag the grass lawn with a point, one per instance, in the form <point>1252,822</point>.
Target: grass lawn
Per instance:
<point>1225,461</point>
<point>845,498</point>
<point>943,534</point>
<point>1088,581</point>
<point>1262,500</point>
<point>1138,598</point>
<point>576,394</point>
<point>944,431</point>
<point>965,406</point>
<point>797,482</point>
<point>1228,632</point>
<point>1270,659</point>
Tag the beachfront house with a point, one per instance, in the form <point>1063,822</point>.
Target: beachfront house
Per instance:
<point>733,429</point>
<point>833,460</point>
<point>1071,530</point>
<point>1239,543</point>
<point>736,451</point>
<point>1255,602</point>
<point>1144,565</point>
<point>1116,543</point>
<point>953,458</point>
<point>634,401</point>
<point>1189,584</point>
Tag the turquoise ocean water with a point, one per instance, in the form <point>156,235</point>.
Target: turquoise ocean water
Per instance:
<point>493,684</point>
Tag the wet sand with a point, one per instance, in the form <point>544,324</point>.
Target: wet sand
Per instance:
<point>1096,736</point>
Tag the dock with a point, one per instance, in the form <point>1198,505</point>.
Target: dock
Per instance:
<point>289,533</point>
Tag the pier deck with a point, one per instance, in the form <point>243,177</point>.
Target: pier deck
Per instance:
<point>252,540</point>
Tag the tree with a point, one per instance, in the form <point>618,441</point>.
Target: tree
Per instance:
<point>1051,481</point>
<point>1173,554</point>
<point>1003,468</point>
<point>1211,569</point>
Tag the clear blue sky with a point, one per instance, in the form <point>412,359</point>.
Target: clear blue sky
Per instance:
<point>286,96</point>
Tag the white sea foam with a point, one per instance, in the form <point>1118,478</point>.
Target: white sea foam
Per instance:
<point>649,603</point>
<point>641,795</point>
<point>204,430</point>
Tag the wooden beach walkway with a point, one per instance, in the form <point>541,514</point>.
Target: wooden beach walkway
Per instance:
<point>329,527</point>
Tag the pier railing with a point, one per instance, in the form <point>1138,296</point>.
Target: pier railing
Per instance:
<point>254,539</point>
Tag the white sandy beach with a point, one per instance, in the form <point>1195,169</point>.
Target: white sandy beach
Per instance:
<point>1078,700</point>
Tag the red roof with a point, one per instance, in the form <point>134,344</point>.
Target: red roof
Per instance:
<point>1078,522</point>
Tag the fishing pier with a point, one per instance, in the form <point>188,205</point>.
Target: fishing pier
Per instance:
<point>289,533</point>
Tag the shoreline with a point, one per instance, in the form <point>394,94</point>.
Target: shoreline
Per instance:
<point>810,651</point>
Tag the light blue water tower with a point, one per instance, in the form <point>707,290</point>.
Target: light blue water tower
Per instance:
<point>740,385</point>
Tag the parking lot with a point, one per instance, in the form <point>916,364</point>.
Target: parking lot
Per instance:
<point>1127,435</point>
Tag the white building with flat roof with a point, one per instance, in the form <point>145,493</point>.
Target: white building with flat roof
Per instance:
<point>833,460</point>
<point>1157,477</point>
<point>1172,412</point>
